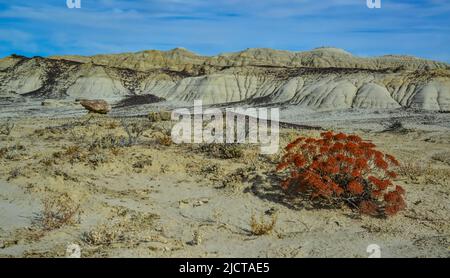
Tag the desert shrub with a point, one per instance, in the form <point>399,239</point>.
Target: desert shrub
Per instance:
<point>102,235</point>
<point>48,162</point>
<point>7,127</point>
<point>96,159</point>
<point>443,157</point>
<point>58,212</point>
<point>14,152</point>
<point>415,169</point>
<point>112,125</point>
<point>142,163</point>
<point>15,173</point>
<point>74,154</point>
<point>135,130</point>
<point>108,141</point>
<point>164,140</point>
<point>236,179</point>
<point>210,169</point>
<point>129,227</point>
<point>421,172</point>
<point>225,151</point>
<point>338,169</point>
<point>260,226</point>
<point>66,128</point>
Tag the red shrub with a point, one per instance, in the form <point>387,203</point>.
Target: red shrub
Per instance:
<point>341,168</point>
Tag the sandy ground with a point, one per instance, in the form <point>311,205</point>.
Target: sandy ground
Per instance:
<point>158,200</point>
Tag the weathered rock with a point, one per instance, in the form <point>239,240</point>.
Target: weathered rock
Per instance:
<point>324,78</point>
<point>96,106</point>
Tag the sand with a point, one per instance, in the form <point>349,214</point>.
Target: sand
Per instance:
<point>154,200</point>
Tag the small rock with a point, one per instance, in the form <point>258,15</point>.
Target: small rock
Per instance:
<point>96,106</point>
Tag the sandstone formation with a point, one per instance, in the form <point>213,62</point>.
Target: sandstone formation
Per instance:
<point>324,78</point>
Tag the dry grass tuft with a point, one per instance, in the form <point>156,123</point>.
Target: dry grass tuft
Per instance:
<point>102,235</point>
<point>423,172</point>
<point>260,226</point>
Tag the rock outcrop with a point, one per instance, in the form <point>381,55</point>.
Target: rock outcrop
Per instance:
<point>324,78</point>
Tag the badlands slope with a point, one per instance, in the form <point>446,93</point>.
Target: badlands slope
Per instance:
<point>324,78</point>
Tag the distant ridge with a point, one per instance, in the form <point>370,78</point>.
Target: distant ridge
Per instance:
<point>178,58</point>
<point>322,78</point>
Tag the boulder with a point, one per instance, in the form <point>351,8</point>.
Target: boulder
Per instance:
<point>96,106</point>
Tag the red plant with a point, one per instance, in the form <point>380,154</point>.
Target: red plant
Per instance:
<point>340,168</point>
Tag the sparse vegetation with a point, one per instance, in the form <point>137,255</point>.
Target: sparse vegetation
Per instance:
<point>14,152</point>
<point>7,127</point>
<point>122,228</point>
<point>108,141</point>
<point>421,171</point>
<point>236,179</point>
<point>224,151</point>
<point>135,130</point>
<point>95,159</point>
<point>143,162</point>
<point>443,157</point>
<point>57,212</point>
<point>98,166</point>
<point>165,140</point>
<point>102,235</point>
<point>64,128</point>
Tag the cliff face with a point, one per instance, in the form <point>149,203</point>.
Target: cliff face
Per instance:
<point>324,78</point>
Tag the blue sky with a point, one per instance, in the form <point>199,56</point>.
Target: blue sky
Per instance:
<point>47,27</point>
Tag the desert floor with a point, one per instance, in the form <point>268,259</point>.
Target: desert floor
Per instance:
<point>156,199</point>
